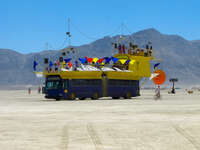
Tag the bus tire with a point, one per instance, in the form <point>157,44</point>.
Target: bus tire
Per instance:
<point>95,96</point>
<point>128,95</point>
<point>72,96</point>
<point>82,98</point>
<point>115,97</point>
<point>57,99</point>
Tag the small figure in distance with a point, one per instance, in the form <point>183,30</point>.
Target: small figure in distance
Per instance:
<point>157,93</point>
<point>29,90</point>
<point>39,89</point>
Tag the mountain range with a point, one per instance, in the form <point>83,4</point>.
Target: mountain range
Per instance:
<point>180,57</point>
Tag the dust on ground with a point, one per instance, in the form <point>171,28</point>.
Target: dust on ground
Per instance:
<point>30,122</point>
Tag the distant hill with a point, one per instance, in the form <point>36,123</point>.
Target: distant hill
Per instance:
<point>180,57</point>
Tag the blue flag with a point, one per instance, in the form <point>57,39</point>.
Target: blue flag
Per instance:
<point>114,59</point>
<point>67,60</point>
<point>50,64</point>
<point>127,62</point>
<point>107,59</point>
<point>83,60</point>
<point>34,65</point>
<point>156,65</point>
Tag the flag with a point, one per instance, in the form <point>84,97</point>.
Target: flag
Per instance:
<point>89,60</point>
<point>70,64</point>
<point>95,59</point>
<point>67,60</point>
<point>63,64</point>
<point>132,62</point>
<point>83,60</point>
<point>107,59</point>
<point>127,62</point>
<point>115,59</point>
<point>122,61</point>
<point>34,65</point>
<point>100,60</point>
<point>50,64</point>
<point>156,65</point>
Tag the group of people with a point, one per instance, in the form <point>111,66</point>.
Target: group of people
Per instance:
<point>133,49</point>
<point>30,91</point>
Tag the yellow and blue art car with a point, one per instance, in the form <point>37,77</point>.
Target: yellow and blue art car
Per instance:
<point>116,83</point>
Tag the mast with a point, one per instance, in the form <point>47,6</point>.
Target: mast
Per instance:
<point>69,34</point>
<point>69,48</point>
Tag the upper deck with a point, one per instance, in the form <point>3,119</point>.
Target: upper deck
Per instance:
<point>132,64</point>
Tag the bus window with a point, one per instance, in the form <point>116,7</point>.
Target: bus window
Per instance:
<point>53,84</point>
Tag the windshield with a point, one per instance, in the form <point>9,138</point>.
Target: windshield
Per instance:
<point>54,85</point>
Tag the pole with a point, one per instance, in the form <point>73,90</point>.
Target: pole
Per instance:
<point>69,34</point>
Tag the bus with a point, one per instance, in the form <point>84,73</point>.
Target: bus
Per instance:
<point>81,85</point>
<point>97,84</point>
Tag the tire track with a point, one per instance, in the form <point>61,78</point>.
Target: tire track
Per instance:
<point>94,137</point>
<point>114,136</point>
<point>65,138</point>
<point>187,136</point>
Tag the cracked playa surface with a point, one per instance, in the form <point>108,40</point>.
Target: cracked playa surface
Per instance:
<point>29,122</point>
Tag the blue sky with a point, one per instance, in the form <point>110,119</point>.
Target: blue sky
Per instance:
<point>27,25</point>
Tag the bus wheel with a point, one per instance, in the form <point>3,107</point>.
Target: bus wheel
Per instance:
<point>115,97</point>
<point>95,96</point>
<point>82,98</point>
<point>72,96</point>
<point>128,95</point>
<point>57,99</point>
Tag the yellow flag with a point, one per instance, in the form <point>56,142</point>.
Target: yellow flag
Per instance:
<point>132,62</point>
<point>122,61</point>
<point>95,59</point>
<point>63,64</point>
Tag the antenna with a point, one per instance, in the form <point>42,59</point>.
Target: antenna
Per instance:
<point>69,48</point>
<point>68,33</point>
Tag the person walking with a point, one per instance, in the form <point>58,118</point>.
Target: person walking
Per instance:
<point>157,93</point>
<point>29,90</point>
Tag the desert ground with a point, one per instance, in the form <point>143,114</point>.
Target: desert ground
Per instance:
<point>31,122</point>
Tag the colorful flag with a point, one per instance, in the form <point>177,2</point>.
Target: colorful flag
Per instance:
<point>50,64</point>
<point>100,60</point>
<point>67,60</point>
<point>89,60</point>
<point>127,62</point>
<point>114,59</point>
<point>83,60</point>
<point>34,65</point>
<point>70,64</point>
<point>132,62</point>
<point>107,59</point>
<point>95,59</point>
<point>122,61</point>
<point>156,65</point>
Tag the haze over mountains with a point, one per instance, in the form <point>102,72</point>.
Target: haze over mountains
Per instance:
<point>181,58</point>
